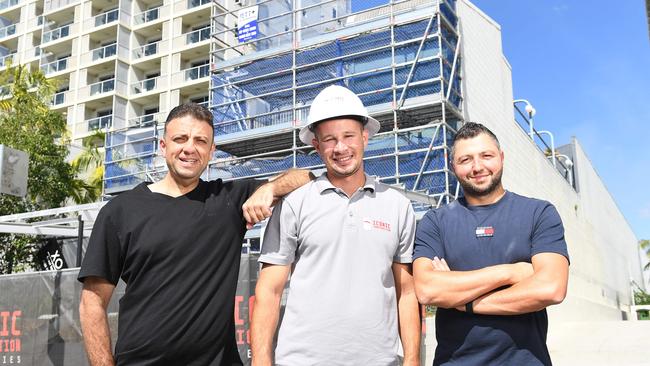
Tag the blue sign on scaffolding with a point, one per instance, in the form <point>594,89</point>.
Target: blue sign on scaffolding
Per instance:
<point>247,24</point>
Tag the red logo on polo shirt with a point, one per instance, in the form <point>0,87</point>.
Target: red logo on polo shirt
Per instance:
<point>375,224</point>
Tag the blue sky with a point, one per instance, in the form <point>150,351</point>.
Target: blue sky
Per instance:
<point>585,66</point>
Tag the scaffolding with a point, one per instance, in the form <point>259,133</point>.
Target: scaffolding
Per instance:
<point>401,58</point>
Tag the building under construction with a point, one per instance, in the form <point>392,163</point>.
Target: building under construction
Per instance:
<point>422,67</point>
<point>401,58</point>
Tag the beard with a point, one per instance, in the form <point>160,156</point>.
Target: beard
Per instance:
<point>474,191</point>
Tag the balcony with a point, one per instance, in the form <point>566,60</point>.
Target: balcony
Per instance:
<point>53,5</point>
<point>102,87</point>
<point>32,53</point>
<point>7,31</point>
<point>197,35</point>
<point>60,98</point>
<point>192,37</point>
<point>55,34</point>
<point>4,4</point>
<point>36,22</point>
<point>147,16</point>
<point>145,85</point>
<point>147,120</point>
<point>196,3</point>
<point>55,66</point>
<point>103,52</point>
<point>93,124</point>
<point>7,59</point>
<point>106,18</point>
<point>196,72</point>
<point>147,50</point>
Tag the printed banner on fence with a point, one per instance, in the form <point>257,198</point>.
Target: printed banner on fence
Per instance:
<point>247,23</point>
<point>39,316</point>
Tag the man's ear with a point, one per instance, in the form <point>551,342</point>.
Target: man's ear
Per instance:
<point>163,146</point>
<point>364,133</point>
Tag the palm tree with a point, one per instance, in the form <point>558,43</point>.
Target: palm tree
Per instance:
<point>91,162</point>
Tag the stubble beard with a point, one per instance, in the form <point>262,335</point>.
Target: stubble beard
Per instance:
<point>473,191</point>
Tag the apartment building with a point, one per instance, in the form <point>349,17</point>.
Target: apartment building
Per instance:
<point>118,64</point>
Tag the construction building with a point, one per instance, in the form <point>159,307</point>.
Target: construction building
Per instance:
<point>422,67</point>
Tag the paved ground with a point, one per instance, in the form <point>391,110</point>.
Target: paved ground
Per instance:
<point>600,343</point>
<point>612,343</point>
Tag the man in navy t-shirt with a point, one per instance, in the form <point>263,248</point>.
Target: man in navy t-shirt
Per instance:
<point>491,262</point>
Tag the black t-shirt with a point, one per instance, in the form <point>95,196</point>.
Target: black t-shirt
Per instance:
<point>179,258</point>
<point>472,237</point>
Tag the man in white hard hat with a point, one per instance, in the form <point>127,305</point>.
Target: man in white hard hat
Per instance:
<point>347,242</point>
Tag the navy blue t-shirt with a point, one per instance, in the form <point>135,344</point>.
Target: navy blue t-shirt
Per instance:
<point>511,230</point>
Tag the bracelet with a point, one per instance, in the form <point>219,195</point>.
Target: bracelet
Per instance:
<point>468,308</point>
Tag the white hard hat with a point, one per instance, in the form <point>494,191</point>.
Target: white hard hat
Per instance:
<point>336,101</point>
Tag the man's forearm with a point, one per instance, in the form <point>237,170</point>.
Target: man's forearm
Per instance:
<point>450,289</point>
<point>409,328</point>
<point>544,288</point>
<point>408,310</point>
<point>264,323</point>
<point>96,334</point>
<point>289,181</point>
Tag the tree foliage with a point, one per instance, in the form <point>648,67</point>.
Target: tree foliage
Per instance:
<point>644,244</point>
<point>641,297</point>
<point>28,124</point>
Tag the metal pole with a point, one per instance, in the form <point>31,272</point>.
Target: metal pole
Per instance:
<point>426,158</point>
<point>552,145</point>
<point>80,239</point>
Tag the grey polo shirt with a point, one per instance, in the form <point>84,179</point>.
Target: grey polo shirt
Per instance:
<point>342,307</point>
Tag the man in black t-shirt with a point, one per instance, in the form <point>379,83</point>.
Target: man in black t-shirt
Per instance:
<point>473,258</point>
<point>176,244</point>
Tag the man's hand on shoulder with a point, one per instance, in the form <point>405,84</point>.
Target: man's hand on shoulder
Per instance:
<point>258,206</point>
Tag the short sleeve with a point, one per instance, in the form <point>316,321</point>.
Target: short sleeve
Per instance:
<point>548,233</point>
<point>280,237</point>
<point>428,242</point>
<point>103,256</point>
<point>404,252</point>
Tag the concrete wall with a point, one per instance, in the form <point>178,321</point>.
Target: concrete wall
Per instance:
<point>602,246</point>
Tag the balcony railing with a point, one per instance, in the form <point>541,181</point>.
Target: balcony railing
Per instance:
<point>147,120</point>
<point>4,60</point>
<point>55,66</point>
<point>147,16</point>
<point>147,50</point>
<point>102,87</point>
<point>97,123</point>
<point>145,85</point>
<point>59,98</point>
<point>196,72</point>
<point>57,33</point>
<point>7,31</point>
<point>104,52</point>
<point>194,3</point>
<point>51,5</point>
<point>197,35</point>
<point>7,3</point>
<point>107,17</point>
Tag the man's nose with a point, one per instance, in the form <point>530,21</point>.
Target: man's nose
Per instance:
<point>340,145</point>
<point>477,165</point>
<point>189,147</point>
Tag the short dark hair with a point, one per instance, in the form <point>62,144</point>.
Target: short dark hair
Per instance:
<point>471,130</point>
<point>195,110</point>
